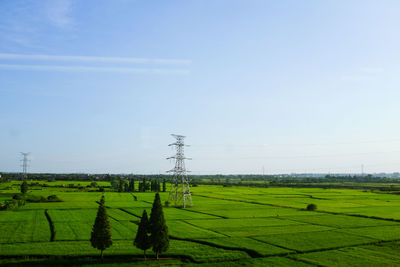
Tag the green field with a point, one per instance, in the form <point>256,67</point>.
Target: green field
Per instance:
<point>235,226</point>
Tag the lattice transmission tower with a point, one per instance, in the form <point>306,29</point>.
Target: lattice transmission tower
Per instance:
<point>180,190</point>
<point>24,165</point>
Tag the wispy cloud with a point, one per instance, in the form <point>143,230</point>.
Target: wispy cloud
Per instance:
<point>91,69</point>
<point>25,23</point>
<point>372,71</point>
<point>91,64</point>
<point>364,74</point>
<point>8,56</point>
<point>59,12</point>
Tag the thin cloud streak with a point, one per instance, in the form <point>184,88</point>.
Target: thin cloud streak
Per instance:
<point>91,69</point>
<point>364,74</point>
<point>58,12</point>
<point>39,57</point>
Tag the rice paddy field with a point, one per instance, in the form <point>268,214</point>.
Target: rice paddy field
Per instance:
<point>226,226</point>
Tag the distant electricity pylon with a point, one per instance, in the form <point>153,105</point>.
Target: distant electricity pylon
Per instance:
<point>24,163</point>
<point>180,191</point>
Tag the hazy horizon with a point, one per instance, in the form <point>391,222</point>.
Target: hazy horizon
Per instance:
<point>256,86</point>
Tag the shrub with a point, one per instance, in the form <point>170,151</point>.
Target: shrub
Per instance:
<point>12,204</point>
<point>18,196</point>
<point>53,198</point>
<point>34,198</point>
<point>37,199</point>
<point>166,203</point>
<point>311,207</point>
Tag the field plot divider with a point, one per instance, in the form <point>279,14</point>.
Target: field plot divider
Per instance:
<point>339,247</point>
<point>200,212</point>
<point>250,252</point>
<point>276,245</point>
<point>302,260</point>
<point>205,228</point>
<point>293,220</point>
<point>51,224</point>
<point>358,215</point>
<point>112,218</point>
<point>250,202</point>
<point>122,209</point>
<point>317,211</point>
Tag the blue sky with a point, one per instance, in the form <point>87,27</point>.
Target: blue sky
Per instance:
<point>288,86</point>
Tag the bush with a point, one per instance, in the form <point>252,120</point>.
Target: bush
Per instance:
<point>311,207</point>
<point>38,199</point>
<point>34,198</point>
<point>53,198</point>
<point>166,203</point>
<point>12,204</point>
<point>18,196</point>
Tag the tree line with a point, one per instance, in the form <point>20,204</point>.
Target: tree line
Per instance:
<point>122,185</point>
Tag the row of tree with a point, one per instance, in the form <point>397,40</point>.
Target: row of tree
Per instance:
<point>144,186</point>
<point>121,186</point>
<point>126,186</point>
<point>152,233</point>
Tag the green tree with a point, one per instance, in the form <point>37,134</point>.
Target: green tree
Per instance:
<point>143,185</point>
<point>142,240</point>
<point>24,187</point>
<point>121,186</point>
<point>132,185</point>
<point>101,232</point>
<point>158,228</point>
<point>126,187</point>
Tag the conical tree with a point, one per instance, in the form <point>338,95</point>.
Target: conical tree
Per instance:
<point>101,233</point>
<point>121,186</point>
<point>24,187</point>
<point>142,240</point>
<point>158,228</point>
<point>132,185</point>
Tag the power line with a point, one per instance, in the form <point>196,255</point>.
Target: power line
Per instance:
<point>302,156</point>
<point>260,146</point>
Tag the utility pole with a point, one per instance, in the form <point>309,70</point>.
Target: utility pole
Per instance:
<point>180,190</point>
<point>24,163</point>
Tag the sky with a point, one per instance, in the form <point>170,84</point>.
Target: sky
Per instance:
<point>257,86</point>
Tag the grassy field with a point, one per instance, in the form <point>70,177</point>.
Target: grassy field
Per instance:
<point>241,226</point>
